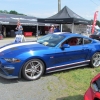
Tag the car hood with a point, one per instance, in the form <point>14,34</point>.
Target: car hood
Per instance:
<point>21,47</point>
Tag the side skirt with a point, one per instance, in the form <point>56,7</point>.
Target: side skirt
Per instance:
<point>76,66</point>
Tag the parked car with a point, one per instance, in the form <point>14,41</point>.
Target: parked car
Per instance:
<point>93,92</point>
<point>95,36</point>
<point>50,53</point>
<point>85,34</point>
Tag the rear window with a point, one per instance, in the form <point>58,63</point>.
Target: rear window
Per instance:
<point>86,41</point>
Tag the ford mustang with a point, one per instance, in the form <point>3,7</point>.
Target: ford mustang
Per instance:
<point>50,53</point>
<point>93,92</point>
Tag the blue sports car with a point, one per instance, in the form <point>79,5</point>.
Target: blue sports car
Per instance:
<point>50,53</point>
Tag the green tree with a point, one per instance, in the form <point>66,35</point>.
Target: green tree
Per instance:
<point>13,12</point>
<point>1,11</point>
<point>5,11</point>
<point>98,23</point>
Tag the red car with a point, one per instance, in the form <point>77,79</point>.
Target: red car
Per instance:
<point>93,92</point>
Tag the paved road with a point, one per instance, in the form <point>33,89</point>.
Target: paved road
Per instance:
<point>48,87</point>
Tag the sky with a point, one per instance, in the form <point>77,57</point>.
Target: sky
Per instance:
<point>47,8</point>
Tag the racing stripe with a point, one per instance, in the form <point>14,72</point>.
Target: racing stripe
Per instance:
<point>16,45</point>
<point>68,64</point>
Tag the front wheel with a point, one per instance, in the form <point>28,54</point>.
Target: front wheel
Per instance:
<point>95,61</point>
<point>33,69</point>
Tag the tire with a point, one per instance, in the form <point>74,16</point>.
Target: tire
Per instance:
<point>95,61</point>
<point>33,69</point>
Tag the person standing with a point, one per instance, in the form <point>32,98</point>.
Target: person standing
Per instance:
<point>51,29</point>
<point>56,29</point>
<point>0,29</point>
<point>4,31</point>
<point>19,36</point>
<point>1,34</point>
<point>19,29</point>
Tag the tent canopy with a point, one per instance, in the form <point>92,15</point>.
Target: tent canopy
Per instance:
<point>64,16</point>
<point>12,19</point>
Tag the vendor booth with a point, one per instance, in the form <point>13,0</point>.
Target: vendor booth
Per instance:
<point>30,25</point>
<point>65,16</point>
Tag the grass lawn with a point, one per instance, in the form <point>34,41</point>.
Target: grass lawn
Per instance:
<point>77,80</point>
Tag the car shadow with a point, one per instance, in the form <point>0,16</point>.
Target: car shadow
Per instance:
<point>11,81</point>
<point>8,81</point>
<point>76,97</point>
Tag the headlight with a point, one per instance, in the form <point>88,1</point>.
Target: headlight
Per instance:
<point>94,87</point>
<point>11,60</point>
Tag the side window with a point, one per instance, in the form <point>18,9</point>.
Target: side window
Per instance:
<point>65,42</point>
<point>86,41</point>
<point>73,41</point>
<point>80,41</point>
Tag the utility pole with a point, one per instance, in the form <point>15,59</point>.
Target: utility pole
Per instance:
<point>59,8</point>
<point>59,5</point>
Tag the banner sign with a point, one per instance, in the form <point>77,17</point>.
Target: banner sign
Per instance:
<point>94,21</point>
<point>19,38</point>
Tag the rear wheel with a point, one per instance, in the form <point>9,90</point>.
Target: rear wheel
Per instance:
<point>95,61</point>
<point>33,69</point>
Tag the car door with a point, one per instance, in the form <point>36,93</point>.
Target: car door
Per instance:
<point>87,47</point>
<point>73,54</point>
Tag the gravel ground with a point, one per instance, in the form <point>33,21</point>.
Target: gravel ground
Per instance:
<point>45,88</point>
<point>48,87</point>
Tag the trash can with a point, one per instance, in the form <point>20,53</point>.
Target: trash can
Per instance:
<point>1,36</point>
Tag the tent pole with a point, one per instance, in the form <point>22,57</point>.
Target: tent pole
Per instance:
<point>37,32</point>
<point>61,28</point>
<point>72,27</point>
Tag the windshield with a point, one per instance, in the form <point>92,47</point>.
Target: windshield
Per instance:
<point>50,40</point>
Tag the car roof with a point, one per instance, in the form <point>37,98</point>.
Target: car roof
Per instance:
<point>67,34</point>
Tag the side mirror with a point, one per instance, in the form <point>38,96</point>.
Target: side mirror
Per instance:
<point>65,46</point>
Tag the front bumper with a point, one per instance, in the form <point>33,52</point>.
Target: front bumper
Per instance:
<point>3,75</point>
<point>7,72</point>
